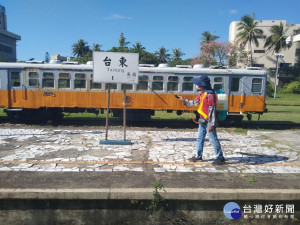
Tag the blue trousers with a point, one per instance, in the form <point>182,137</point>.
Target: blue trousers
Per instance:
<point>213,139</point>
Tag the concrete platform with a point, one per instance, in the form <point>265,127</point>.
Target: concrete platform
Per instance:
<point>68,164</point>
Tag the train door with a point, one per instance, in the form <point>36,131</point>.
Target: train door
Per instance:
<point>14,88</point>
<point>32,87</point>
<point>236,95</point>
<point>3,88</point>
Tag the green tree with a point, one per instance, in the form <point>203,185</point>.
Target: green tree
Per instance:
<point>180,62</point>
<point>277,40</point>
<point>80,48</point>
<point>162,54</point>
<point>148,58</point>
<point>248,33</point>
<point>138,47</point>
<point>122,41</point>
<point>236,55</point>
<point>84,59</point>
<point>208,37</point>
<point>177,53</point>
<point>96,47</point>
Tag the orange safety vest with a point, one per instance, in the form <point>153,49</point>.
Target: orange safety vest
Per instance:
<point>203,107</point>
<point>203,111</point>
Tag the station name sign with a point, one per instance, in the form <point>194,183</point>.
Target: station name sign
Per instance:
<point>115,67</point>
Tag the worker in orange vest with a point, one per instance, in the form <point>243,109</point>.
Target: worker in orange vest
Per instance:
<point>207,101</point>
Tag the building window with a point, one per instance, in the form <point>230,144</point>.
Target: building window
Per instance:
<point>15,79</point>
<point>256,85</point>
<point>158,83</point>
<point>285,65</point>
<point>259,51</point>
<point>218,83</point>
<point>187,84</point>
<point>80,81</point>
<point>297,52</point>
<point>6,49</point>
<point>64,80</point>
<point>33,79</point>
<point>172,83</point>
<point>143,83</point>
<point>235,84</point>
<point>48,80</point>
<point>258,65</point>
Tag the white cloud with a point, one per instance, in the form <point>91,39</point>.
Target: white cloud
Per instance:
<point>233,11</point>
<point>117,17</point>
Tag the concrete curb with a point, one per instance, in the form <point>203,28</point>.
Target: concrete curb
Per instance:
<point>212,194</point>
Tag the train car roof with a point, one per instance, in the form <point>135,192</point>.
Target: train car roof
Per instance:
<point>142,69</point>
<point>45,66</point>
<point>207,71</point>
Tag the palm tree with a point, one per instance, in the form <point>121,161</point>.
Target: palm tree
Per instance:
<point>163,57</point>
<point>122,41</point>
<point>248,33</point>
<point>208,37</point>
<point>138,47</point>
<point>80,48</point>
<point>96,47</point>
<point>177,53</point>
<point>277,40</point>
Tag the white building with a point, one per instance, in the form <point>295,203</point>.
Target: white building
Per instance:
<point>7,39</point>
<point>267,59</point>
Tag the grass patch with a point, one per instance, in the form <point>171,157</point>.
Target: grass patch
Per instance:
<point>250,180</point>
<point>285,108</point>
<point>240,130</point>
<point>163,115</point>
<point>2,113</point>
<point>284,99</point>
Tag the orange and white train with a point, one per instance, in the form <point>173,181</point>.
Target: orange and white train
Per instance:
<point>42,90</point>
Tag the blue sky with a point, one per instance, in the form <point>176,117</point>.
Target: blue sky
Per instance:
<point>54,25</point>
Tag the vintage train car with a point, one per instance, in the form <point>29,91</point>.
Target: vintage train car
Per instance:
<point>44,90</point>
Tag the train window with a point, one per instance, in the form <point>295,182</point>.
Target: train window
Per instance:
<point>187,84</point>
<point>33,79</point>
<point>112,86</point>
<point>64,80</point>
<point>157,84</point>
<point>48,80</point>
<point>218,79</point>
<point>80,81</point>
<point>256,85</point>
<point>235,84</point>
<point>128,86</point>
<point>218,83</point>
<point>94,85</point>
<point>143,83</point>
<point>15,79</point>
<point>172,83</point>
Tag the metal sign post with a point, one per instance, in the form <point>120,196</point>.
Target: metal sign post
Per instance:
<point>107,112</point>
<point>124,113</point>
<point>115,67</point>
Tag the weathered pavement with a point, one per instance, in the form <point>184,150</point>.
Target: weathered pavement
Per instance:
<point>67,167</point>
<point>50,158</point>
